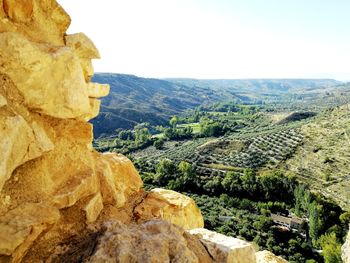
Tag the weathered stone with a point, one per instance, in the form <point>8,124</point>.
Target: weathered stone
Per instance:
<point>85,50</point>
<point>59,177</point>
<point>171,206</point>
<point>42,21</point>
<point>87,67</point>
<point>19,143</point>
<point>96,90</point>
<point>268,257</point>
<point>3,101</point>
<point>224,249</point>
<point>82,45</point>
<point>55,190</point>
<point>78,187</point>
<point>21,11</point>
<point>93,208</point>
<point>346,250</point>
<point>22,225</point>
<point>51,82</point>
<point>151,242</point>
<point>118,177</point>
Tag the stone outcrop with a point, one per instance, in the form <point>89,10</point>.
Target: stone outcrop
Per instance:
<point>54,188</point>
<point>61,201</point>
<point>346,250</point>
<point>223,249</point>
<point>151,242</point>
<point>268,257</point>
<point>171,206</point>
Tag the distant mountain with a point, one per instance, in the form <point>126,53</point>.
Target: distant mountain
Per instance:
<point>134,100</point>
<point>254,88</point>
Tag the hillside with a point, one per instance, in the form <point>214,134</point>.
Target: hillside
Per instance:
<point>323,160</point>
<point>261,86</point>
<point>241,163</point>
<point>134,100</point>
<point>267,90</point>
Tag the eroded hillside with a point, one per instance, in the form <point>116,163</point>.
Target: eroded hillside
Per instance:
<point>323,160</point>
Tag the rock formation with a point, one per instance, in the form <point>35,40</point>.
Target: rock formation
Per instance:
<point>61,201</point>
<point>266,256</point>
<point>346,250</point>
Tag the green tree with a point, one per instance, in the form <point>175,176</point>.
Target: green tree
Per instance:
<point>314,221</point>
<point>159,143</point>
<point>142,136</point>
<point>249,182</point>
<point>345,218</point>
<point>165,169</point>
<point>174,121</point>
<point>331,248</point>
<point>186,169</point>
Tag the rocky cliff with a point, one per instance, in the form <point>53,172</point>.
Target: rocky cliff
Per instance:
<point>60,201</point>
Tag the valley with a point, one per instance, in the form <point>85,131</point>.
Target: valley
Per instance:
<point>246,158</point>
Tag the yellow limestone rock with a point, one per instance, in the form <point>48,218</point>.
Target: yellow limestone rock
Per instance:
<point>154,241</point>
<point>224,249</point>
<point>171,206</point>
<point>96,90</point>
<point>93,208</point>
<point>82,45</point>
<point>55,190</point>
<point>85,50</point>
<point>19,143</point>
<point>118,177</point>
<point>51,81</point>
<point>3,101</point>
<point>22,225</point>
<point>20,12</point>
<point>78,187</point>
<point>268,257</point>
<point>42,21</point>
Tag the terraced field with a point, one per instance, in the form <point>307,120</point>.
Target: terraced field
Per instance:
<point>216,156</point>
<point>235,155</point>
<point>315,150</point>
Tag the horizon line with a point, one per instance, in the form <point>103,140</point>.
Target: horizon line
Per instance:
<point>245,78</point>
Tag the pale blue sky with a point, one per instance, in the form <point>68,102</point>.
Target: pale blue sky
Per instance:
<point>218,38</point>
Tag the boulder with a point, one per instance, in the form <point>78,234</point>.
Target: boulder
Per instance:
<point>174,207</point>
<point>118,178</point>
<point>268,257</point>
<point>21,226</point>
<point>151,242</point>
<point>19,143</point>
<point>42,21</point>
<point>51,80</point>
<point>224,249</point>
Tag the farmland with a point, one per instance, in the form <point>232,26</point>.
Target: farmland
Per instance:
<point>244,162</point>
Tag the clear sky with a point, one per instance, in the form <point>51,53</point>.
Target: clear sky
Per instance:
<point>217,38</point>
